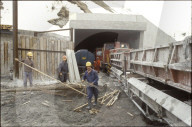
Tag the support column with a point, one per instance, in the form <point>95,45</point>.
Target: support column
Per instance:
<point>15,38</point>
<point>141,39</point>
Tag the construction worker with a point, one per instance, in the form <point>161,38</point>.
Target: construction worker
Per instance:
<point>97,65</point>
<point>63,70</point>
<point>27,70</point>
<point>92,78</point>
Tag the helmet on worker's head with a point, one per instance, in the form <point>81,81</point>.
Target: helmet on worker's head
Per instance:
<point>64,57</point>
<point>29,54</point>
<point>88,64</point>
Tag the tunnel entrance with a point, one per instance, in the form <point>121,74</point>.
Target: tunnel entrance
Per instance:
<point>92,39</point>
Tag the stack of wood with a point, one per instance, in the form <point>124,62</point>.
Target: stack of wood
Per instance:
<point>113,96</point>
<point>93,111</point>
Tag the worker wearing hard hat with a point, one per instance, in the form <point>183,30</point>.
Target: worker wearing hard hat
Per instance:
<point>63,70</point>
<point>92,77</point>
<point>97,64</point>
<point>28,71</point>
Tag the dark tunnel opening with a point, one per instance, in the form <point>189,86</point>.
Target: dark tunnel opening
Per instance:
<point>96,41</point>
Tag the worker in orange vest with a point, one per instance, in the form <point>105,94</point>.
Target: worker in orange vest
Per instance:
<point>97,64</point>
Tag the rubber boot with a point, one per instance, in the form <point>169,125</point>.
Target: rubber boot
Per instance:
<point>89,104</point>
<point>95,103</point>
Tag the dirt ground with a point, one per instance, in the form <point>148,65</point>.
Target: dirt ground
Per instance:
<point>43,109</point>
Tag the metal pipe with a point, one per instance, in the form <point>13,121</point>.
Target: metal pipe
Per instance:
<point>15,38</point>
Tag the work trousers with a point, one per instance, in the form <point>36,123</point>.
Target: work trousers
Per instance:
<point>63,77</point>
<point>27,75</point>
<point>92,91</point>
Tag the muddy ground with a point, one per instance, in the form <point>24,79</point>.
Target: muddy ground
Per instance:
<point>43,109</point>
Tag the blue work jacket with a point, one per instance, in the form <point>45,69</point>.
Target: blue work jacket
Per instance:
<point>91,77</point>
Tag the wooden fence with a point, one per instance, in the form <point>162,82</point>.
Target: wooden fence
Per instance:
<point>6,57</point>
<point>47,54</point>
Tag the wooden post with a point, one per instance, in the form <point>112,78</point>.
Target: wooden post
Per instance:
<point>15,39</point>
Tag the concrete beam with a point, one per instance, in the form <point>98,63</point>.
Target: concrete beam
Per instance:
<point>106,25</point>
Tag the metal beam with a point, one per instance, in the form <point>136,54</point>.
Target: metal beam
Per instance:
<point>155,98</point>
<point>38,50</point>
<point>35,33</point>
<point>15,38</point>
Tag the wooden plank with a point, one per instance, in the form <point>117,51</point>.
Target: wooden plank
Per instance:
<point>31,44</point>
<point>38,65</point>
<point>23,46</point>
<point>45,54</point>
<point>20,57</point>
<point>41,55</point>
<point>10,58</point>
<point>2,58</point>
<point>11,55</point>
<point>42,88</point>
<point>70,66</point>
<point>48,56</point>
<point>59,54</point>
<point>53,59</point>
<point>76,70</point>
<point>56,58</point>
<point>6,57</point>
<point>31,47</point>
<point>34,39</point>
<point>27,43</point>
<point>23,54</point>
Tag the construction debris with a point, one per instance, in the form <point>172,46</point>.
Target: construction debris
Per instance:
<point>26,102</point>
<point>64,12</point>
<point>61,21</point>
<point>114,98</point>
<point>63,18</point>
<point>99,99</point>
<point>81,5</point>
<point>7,102</point>
<point>67,100</point>
<point>45,104</point>
<point>107,97</point>
<point>93,111</point>
<point>130,114</point>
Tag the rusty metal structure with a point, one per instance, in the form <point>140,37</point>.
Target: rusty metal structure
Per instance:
<point>169,65</point>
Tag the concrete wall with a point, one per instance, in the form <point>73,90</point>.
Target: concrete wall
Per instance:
<point>154,36</point>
